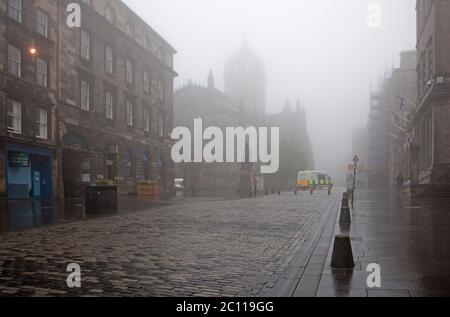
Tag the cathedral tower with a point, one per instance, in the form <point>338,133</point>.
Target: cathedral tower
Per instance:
<point>245,80</point>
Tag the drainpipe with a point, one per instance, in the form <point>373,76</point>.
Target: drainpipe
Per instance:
<point>58,141</point>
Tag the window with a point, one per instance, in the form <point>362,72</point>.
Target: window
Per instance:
<point>42,124</point>
<point>130,72</point>
<point>85,92</point>
<point>148,44</point>
<point>146,120</point>
<point>15,10</point>
<point>42,23</point>
<point>109,60</point>
<point>161,126</point>
<point>14,60</point>
<point>129,30</point>
<point>130,119</point>
<point>109,101</point>
<point>14,117</point>
<point>109,15</point>
<point>85,47</point>
<point>41,72</point>
<point>146,82</point>
<point>160,90</point>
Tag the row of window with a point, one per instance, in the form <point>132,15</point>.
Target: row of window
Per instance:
<point>15,65</point>
<point>150,86</point>
<point>155,87</point>
<point>85,102</point>
<point>129,31</point>
<point>14,120</point>
<point>15,12</point>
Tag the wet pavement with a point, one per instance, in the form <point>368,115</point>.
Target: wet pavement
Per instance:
<point>410,240</point>
<point>192,248</point>
<point>16,215</point>
<point>270,246</point>
<point>25,214</point>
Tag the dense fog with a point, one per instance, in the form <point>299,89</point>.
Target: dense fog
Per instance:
<point>322,53</point>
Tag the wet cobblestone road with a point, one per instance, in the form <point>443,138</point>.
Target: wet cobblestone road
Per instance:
<point>205,248</point>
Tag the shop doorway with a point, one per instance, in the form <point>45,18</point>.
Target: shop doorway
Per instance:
<point>29,174</point>
<point>72,174</point>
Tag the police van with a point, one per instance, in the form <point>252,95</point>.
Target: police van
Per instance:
<point>314,180</point>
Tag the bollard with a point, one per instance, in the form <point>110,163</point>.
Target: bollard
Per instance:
<point>342,253</point>
<point>345,202</point>
<point>345,216</point>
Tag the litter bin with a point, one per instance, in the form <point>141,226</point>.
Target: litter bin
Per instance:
<point>101,199</point>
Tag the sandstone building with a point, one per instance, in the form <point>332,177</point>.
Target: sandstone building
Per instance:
<point>89,105</point>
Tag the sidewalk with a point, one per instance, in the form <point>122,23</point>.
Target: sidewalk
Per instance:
<point>410,241</point>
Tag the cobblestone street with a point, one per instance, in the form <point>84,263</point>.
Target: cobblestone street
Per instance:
<point>192,248</point>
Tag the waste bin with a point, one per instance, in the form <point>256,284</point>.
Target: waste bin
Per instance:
<point>101,199</point>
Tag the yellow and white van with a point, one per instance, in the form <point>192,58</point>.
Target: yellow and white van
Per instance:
<point>314,180</point>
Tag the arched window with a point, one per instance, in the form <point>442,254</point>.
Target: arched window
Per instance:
<point>109,15</point>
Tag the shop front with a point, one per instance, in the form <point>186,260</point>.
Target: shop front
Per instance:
<point>28,174</point>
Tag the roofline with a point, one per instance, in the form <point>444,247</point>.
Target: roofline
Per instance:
<point>131,11</point>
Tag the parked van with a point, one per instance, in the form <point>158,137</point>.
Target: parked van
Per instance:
<point>314,180</point>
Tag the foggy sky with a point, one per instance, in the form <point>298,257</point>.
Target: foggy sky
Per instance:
<point>320,52</point>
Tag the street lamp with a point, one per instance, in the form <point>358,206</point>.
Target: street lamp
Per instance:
<point>355,160</point>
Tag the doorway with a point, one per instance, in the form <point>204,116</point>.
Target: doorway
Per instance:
<point>72,174</point>
<point>29,174</point>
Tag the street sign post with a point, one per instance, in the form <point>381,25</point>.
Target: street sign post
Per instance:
<point>356,161</point>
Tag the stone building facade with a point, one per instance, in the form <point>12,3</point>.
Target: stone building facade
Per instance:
<point>378,138</point>
<point>401,90</point>
<point>241,105</point>
<point>216,109</point>
<point>296,151</point>
<point>28,99</point>
<point>430,126</point>
<point>109,95</point>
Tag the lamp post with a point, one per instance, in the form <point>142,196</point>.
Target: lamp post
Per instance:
<point>355,160</point>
